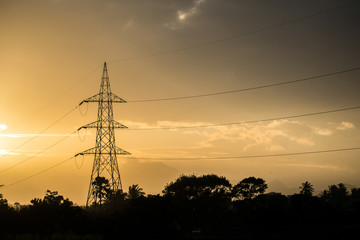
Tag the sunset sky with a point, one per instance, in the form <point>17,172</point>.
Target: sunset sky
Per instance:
<point>51,58</point>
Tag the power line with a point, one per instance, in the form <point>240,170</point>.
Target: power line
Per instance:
<point>38,153</point>
<point>257,156</point>
<point>197,46</point>
<point>38,173</point>
<point>203,158</point>
<point>58,120</point>
<point>202,126</point>
<point>251,121</point>
<point>247,89</point>
<point>220,40</point>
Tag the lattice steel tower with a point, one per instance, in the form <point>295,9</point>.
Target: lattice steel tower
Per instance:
<point>105,159</point>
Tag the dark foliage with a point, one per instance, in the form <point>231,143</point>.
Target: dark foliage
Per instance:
<point>192,207</point>
<point>249,188</point>
<point>192,187</point>
<point>306,189</point>
<point>335,195</point>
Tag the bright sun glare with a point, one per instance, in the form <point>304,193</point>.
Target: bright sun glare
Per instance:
<point>181,16</point>
<point>2,152</point>
<point>3,127</point>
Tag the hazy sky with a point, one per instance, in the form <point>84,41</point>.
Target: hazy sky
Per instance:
<point>51,57</point>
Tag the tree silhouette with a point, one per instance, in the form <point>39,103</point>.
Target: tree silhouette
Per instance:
<point>193,187</point>
<point>306,189</point>
<point>52,199</point>
<point>135,192</point>
<point>249,188</point>
<point>3,203</point>
<point>335,195</point>
<point>6,217</point>
<point>191,204</point>
<point>52,214</point>
<point>118,195</point>
<point>115,201</point>
<point>355,193</point>
<point>101,189</point>
<point>1,196</point>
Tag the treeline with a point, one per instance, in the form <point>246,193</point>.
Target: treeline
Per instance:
<point>191,207</point>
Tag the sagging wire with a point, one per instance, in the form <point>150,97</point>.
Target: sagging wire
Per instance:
<point>82,162</point>
<point>87,107</point>
<point>79,135</point>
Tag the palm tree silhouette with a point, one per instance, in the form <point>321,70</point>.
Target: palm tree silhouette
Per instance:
<point>135,192</point>
<point>306,189</point>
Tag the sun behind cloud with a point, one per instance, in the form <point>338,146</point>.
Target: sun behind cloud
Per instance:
<point>183,15</point>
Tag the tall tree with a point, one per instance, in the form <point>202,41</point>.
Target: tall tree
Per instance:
<point>135,192</point>
<point>249,188</point>
<point>306,189</point>
<point>101,189</point>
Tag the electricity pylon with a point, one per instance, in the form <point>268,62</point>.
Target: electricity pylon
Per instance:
<point>105,159</point>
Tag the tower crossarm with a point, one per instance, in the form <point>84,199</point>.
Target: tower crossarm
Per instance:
<point>118,125</point>
<point>86,152</point>
<point>99,97</point>
<point>118,151</point>
<point>116,99</point>
<point>97,123</point>
<point>121,151</point>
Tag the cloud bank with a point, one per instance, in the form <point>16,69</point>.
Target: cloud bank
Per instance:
<point>275,136</point>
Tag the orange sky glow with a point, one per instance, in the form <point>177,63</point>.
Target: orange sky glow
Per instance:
<point>52,53</point>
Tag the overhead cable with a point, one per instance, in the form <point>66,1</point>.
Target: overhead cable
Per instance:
<point>252,156</point>
<point>202,158</point>
<point>38,134</point>
<point>38,153</point>
<point>38,173</point>
<point>250,121</point>
<point>248,89</point>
